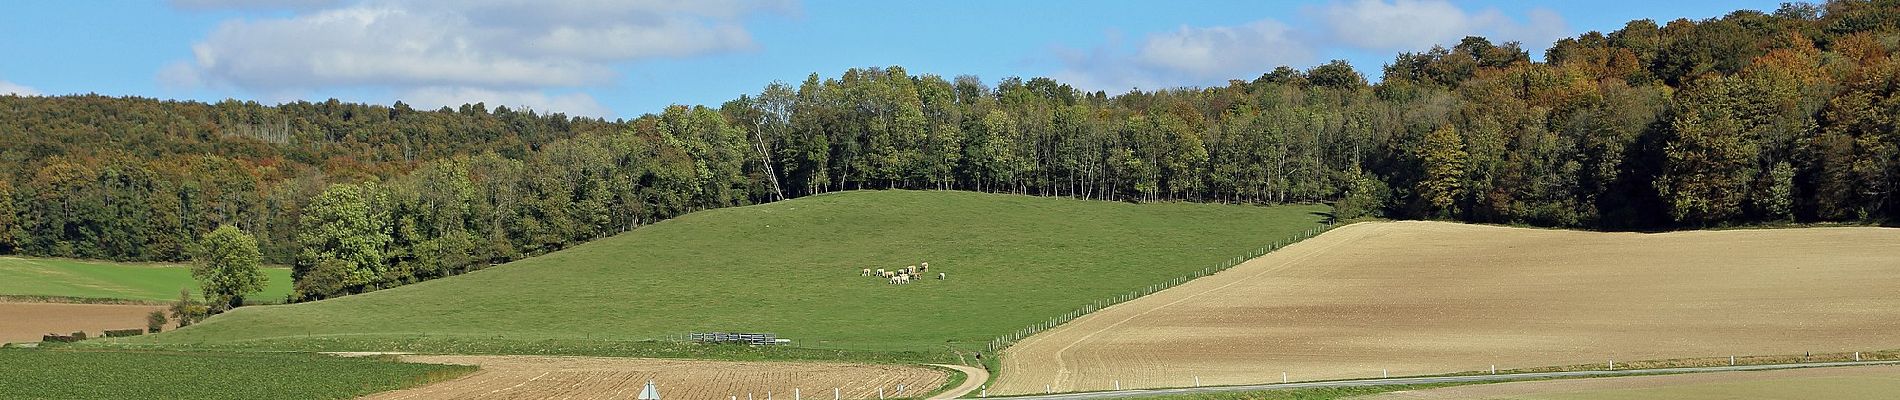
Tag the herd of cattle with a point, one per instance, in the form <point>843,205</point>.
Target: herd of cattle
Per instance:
<point>901,275</point>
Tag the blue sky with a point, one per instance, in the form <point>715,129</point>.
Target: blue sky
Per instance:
<point>620,59</point>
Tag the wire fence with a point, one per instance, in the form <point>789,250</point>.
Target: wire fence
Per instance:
<point>1005,341</point>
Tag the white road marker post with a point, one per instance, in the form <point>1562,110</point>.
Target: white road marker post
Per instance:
<point>834,393</point>
<point>1857,356</point>
<point>1612,364</point>
<point>1197,381</point>
<point>1494,369</point>
<point>796,395</point>
<point>1118,384</point>
<point>1731,361</point>
<point>1046,389</point>
<point>1282,376</point>
<point>1384,373</point>
<point>900,389</point>
<point>880,393</point>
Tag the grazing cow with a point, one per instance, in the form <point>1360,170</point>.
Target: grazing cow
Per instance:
<point>864,272</point>
<point>923,267</point>
<point>940,276</point>
<point>880,272</point>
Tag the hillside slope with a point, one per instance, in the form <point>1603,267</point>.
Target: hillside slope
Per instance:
<point>791,268</point>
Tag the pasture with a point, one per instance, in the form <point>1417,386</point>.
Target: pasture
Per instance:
<point>64,374</point>
<point>792,268</point>
<point>1420,298</point>
<point>536,377</point>
<point>26,277</point>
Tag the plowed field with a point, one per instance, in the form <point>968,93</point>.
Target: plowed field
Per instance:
<point>541,377</point>
<point>26,322</point>
<point>1417,298</point>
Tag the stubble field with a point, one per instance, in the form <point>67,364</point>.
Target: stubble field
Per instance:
<point>1414,298</point>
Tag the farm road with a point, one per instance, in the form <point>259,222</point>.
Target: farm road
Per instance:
<point>973,379</point>
<point>1434,379</point>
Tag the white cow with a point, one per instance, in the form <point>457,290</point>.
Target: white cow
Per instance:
<point>864,272</point>
<point>940,276</point>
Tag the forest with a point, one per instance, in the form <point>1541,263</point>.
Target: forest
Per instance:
<point>1751,118</point>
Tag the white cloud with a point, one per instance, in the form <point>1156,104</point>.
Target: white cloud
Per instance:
<point>1223,51</point>
<point>447,47</point>
<point>1186,56</point>
<point>7,88</point>
<point>1415,25</point>
<point>252,4</point>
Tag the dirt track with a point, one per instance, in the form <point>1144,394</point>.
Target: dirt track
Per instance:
<point>1418,298</point>
<point>1839,383</point>
<point>26,322</point>
<point>543,377</point>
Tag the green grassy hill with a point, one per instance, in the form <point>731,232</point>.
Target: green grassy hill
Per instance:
<point>791,268</point>
<point>50,277</point>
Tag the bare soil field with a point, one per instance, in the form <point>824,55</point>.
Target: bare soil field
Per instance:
<point>1417,298</point>
<point>545,377</point>
<point>1840,383</point>
<point>26,322</point>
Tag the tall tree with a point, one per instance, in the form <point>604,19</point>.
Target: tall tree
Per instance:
<point>226,266</point>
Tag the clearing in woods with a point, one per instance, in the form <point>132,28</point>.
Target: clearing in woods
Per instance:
<point>539,377</point>
<point>1418,298</point>
<point>790,268</point>
<point>1836,383</point>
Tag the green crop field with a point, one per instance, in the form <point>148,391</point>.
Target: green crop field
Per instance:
<point>790,268</point>
<point>60,374</point>
<point>48,277</point>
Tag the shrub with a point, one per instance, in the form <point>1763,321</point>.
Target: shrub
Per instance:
<point>155,321</point>
<point>124,332</point>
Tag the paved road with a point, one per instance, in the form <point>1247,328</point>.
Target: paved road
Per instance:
<point>1435,379</point>
<point>973,378</point>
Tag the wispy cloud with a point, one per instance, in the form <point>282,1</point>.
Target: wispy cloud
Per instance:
<point>7,88</point>
<point>1185,56</point>
<point>1414,25</point>
<point>450,52</point>
<point>1209,55</point>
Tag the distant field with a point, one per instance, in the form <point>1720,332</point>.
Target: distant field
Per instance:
<point>59,374</point>
<point>790,268</point>
<point>1837,383</point>
<point>26,322</point>
<point>23,276</point>
<point>1422,298</point>
<point>543,377</point>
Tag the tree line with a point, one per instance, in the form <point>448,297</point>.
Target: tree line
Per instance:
<point>1753,117</point>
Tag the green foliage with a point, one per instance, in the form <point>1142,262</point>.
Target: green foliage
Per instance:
<point>344,233</point>
<point>226,266</point>
<point>1368,197</point>
<point>98,280</point>
<point>1443,159</point>
<point>155,321</point>
<point>186,311</point>
<point>74,374</point>
<point>791,268</point>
